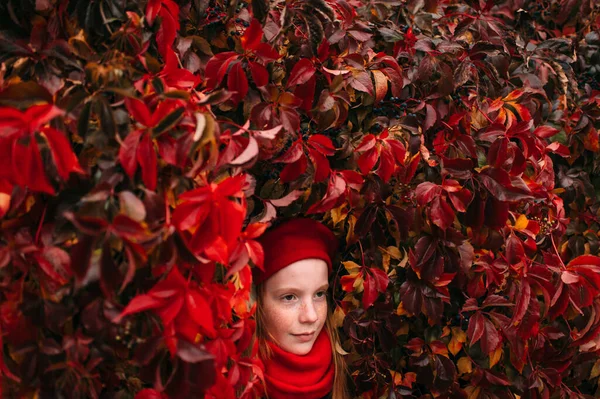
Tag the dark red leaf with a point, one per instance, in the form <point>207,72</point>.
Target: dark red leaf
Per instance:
<point>252,36</point>
<point>260,75</point>
<point>335,190</point>
<point>441,213</point>
<point>237,82</point>
<point>146,156</point>
<point>367,160</point>
<point>302,71</point>
<point>293,170</point>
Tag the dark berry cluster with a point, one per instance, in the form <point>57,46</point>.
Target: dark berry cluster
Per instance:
<point>386,110</point>
<point>242,22</point>
<point>305,132</point>
<point>241,5</point>
<point>590,77</point>
<point>215,11</point>
<point>547,225</point>
<point>376,128</point>
<point>403,193</point>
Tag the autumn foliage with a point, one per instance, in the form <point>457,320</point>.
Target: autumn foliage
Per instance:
<point>452,146</point>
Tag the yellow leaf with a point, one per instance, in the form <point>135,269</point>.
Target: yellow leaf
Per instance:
<point>385,261</point>
<point>495,356</point>
<point>472,392</point>
<point>595,370</point>
<point>464,365</point>
<point>409,379</point>
<point>445,331</point>
<point>521,222</point>
<point>340,350</point>
<point>400,311</point>
<point>338,317</point>
<point>403,329</point>
<point>459,337</point>
<point>351,267</point>
<point>339,214</point>
<point>396,377</point>
<point>351,223</point>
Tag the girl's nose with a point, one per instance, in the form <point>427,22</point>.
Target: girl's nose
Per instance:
<point>308,313</point>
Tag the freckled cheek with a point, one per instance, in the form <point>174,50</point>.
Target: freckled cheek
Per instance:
<point>279,320</point>
<point>321,309</point>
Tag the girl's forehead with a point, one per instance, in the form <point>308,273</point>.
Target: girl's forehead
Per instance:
<point>306,273</point>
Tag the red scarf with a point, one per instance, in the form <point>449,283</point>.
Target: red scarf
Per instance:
<point>310,376</point>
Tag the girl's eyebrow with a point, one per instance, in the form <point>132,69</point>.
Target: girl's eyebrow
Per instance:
<point>293,289</point>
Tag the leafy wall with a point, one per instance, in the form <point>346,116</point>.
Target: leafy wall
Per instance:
<point>451,145</point>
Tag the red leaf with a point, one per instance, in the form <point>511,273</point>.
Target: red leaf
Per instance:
<point>249,153</point>
<point>146,156</point>
<point>216,68</point>
<point>260,75</point>
<point>430,117</point>
<point>568,277</point>
<point>441,213</point>
<point>288,199</point>
<point>28,167</point>
<point>461,199</point>
<point>138,304</point>
<point>293,170</point>
<point>139,111</point>
<point>515,252</point>
<point>545,132</point>
<point>367,143</point>
<point>252,36</point>
<point>381,85</point>
<point>522,305</point>
<point>266,52</point>
<point>125,227</point>
<point>200,311</point>
<point>293,154</point>
<point>480,327</point>
<point>301,73</point>
<point>152,9</point>
<point>381,277</point>
<point>361,81</point>
<point>237,82</point>
<point>427,192</point>
<point>367,160</point>
<point>150,394</point>
<point>321,165</point>
<point>370,290</point>
<point>322,144</point>
<point>306,93</point>
<point>387,166</point>
<point>559,149</point>
<point>169,26</point>
<point>335,191</point>
<point>476,327</point>
<point>5,193</point>
<point>64,158</point>
<point>128,152</point>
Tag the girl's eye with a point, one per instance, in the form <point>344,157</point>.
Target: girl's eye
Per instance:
<point>321,294</point>
<point>288,298</point>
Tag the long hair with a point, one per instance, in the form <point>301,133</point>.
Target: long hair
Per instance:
<point>340,380</point>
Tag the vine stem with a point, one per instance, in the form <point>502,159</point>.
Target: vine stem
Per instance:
<point>556,250</point>
<point>39,229</point>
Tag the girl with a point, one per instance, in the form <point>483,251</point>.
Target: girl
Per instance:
<point>296,337</point>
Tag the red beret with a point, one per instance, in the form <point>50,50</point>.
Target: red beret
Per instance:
<point>294,240</point>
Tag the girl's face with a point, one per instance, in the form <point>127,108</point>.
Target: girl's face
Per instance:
<point>295,305</point>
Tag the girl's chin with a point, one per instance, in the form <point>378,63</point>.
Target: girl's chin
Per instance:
<point>299,348</point>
